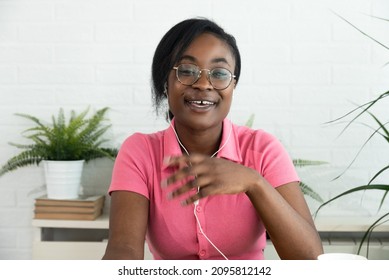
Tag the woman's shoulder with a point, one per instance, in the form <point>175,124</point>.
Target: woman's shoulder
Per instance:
<point>257,140</point>
<point>247,133</point>
<point>142,146</point>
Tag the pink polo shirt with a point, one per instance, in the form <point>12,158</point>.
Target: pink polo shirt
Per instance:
<point>229,221</point>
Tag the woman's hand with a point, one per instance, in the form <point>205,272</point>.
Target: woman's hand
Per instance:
<point>210,176</point>
<point>282,209</point>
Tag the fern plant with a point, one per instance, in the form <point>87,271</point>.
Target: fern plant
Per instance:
<point>79,138</point>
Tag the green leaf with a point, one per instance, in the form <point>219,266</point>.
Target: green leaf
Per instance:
<point>29,157</point>
<point>365,34</point>
<point>250,121</point>
<point>370,230</point>
<point>359,151</point>
<point>380,18</point>
<point>377,174</point>
<point>356,189</point>
<point>305,162</point>
<point>310,192</point>
<point>381,126</point>
<point>382,200</point>
<point>364,109</point>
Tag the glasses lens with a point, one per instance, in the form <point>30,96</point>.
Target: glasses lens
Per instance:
<point>187,74</point>
<point>220,78</point>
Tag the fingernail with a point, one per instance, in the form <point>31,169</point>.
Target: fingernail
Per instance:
<point>169,196</point>
<point>163,183</point>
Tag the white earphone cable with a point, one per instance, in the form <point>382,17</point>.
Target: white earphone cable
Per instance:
<point>206,237</point>
<point>198,188</point>
<point>186,151</point>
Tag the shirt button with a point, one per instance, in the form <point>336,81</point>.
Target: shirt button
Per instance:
<point>202,253</point>
<point>198,208</point>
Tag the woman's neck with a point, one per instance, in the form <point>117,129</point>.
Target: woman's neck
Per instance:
<point>204,142</point>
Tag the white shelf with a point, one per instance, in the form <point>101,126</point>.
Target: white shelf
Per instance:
<point>46,250</point>
<point>348,224</point>
<point>73,249</point>
<point>101,222</point>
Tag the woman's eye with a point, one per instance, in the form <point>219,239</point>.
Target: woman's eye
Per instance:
<point>188,72</point>
<point>220,74</point>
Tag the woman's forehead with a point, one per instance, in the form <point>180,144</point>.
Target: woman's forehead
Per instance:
<point>210,49</point>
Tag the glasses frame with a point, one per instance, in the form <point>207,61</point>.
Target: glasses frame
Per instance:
<point>232,76</point>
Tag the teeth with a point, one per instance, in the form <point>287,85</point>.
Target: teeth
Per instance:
<point>202,102</point>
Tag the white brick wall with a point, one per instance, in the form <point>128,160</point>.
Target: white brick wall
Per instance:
<point>302,66</point>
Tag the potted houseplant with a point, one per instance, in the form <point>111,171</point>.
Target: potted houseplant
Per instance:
<point>63,147</point>
<point>379,129</point>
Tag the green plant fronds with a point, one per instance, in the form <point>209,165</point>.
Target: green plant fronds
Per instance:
<point>382,130</point>
<point>30,157</point>
<point>383,200</point>
<point>77,122</point>
<point>364,107</point>
<point>369,231</point>
<point>87,132</point>
<point>250,121</point>
<point>364,33</point>
<point>380,18</point>
<point>32,118</point>
<point>381,127</point>
<point>376,131</point>
<point>77,138</point>
<point>381,187</point>
<point>305,162</point>
<point>59,123</point>
<point>378,173</point>
<point>310,192</point>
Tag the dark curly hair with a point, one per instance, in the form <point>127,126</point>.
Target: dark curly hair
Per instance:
<point>172,46</point>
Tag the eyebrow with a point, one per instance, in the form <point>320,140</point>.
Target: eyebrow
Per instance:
<point>193,59</point>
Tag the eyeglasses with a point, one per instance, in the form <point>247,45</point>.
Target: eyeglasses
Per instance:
<point>188,74</point>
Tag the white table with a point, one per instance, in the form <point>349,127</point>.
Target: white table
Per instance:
<point>70,239</point>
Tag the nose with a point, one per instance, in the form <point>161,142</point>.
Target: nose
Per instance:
<point>203,82</point>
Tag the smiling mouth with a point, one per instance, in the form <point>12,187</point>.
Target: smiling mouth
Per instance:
<point>201,103</point>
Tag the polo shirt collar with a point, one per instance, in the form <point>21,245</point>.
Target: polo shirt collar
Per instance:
<point>171,147</point>
<point>230,151</point>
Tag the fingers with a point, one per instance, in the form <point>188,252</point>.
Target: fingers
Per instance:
<point>179,176</point>
<point>194,198</point>
<point>188,167</point>
<point>196,183</point>
<point>184,160</point>
<point>190,174</point>
<point>201,193</point>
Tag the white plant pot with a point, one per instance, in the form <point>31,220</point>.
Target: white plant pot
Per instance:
<point>63,178</point>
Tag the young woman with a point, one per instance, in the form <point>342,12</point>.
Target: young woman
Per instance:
<point>205,188</point>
